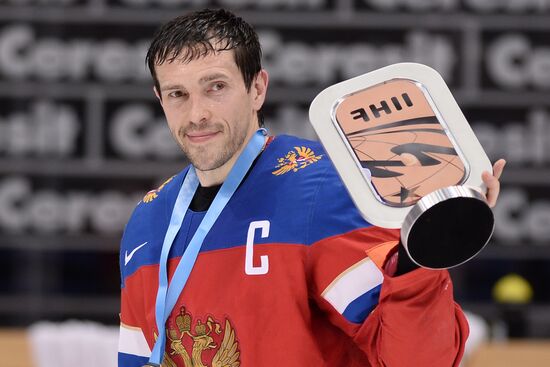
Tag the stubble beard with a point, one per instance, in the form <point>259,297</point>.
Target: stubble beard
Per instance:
<point>209,157</point>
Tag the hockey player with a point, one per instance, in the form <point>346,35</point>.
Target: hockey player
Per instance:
<point>285,272</point>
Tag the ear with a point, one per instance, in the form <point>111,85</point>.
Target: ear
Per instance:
<point>258,89</point>
<point>157,94</point>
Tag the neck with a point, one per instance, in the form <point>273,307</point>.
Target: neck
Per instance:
<point>218,175</point>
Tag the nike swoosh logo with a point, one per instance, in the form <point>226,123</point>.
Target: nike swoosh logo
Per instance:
<point>128,256</point>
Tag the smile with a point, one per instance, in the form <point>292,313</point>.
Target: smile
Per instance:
<point>201,136</point>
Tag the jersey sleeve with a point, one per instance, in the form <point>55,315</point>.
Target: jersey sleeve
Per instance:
<point>133,350</point>
<point>407,320</point>
<point>139,260</point>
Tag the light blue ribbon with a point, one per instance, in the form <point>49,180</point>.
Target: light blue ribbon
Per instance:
<point>168,294</point>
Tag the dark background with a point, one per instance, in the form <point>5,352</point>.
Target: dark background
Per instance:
<point>82,137</point>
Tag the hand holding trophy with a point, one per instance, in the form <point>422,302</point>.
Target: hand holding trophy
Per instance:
<point>409,160</point>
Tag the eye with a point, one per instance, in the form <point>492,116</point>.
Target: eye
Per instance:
<point>217,86</point>
<point>176,94</point>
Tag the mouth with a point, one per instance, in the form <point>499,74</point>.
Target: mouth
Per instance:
<point>201,136</point>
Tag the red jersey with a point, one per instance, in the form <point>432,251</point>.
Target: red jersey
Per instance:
<point>289,275</point>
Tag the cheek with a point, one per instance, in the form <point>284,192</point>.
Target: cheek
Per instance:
<point>173,116</point>
<point>242,109</point>
<point>173,124</point>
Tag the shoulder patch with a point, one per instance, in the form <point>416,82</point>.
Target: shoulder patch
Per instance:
<point>153,194</point>
<point>295,160</point>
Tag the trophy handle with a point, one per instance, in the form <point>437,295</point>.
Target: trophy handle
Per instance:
<point>447,227</point>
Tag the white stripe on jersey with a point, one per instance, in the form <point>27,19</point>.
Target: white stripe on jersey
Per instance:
<point>132,341</point>
<point>353,283</point>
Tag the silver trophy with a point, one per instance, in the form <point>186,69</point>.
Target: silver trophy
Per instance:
<point>409,160</point>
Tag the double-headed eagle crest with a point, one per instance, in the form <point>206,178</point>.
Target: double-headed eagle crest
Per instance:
<point>152,195</point>
<point>202,343</point>
<point>295,160</point>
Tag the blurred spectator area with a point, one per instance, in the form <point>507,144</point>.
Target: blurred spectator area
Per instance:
<point>82,138</point>
<point>18,346</point>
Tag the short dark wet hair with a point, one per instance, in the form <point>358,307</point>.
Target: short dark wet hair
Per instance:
<point>197,34</point>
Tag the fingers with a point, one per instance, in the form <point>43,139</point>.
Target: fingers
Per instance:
<point>493,188</point>
<point>492,182</point>
<point>498,167</point>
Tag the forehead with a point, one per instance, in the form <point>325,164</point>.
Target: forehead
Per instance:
<point>193,70</point>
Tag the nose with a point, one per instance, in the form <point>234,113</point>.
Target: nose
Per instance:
<point>199,110</point>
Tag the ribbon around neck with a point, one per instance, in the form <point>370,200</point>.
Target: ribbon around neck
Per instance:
<point>168,294</point>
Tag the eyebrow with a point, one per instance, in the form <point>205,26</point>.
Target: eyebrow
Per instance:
<point>209,78</point>
<point>203,80</point>
<point>170,87</point>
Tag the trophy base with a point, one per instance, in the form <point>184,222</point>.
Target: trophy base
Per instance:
<point>447,227</point>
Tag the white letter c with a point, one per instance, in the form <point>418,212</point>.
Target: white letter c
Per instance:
<point>249,267</point>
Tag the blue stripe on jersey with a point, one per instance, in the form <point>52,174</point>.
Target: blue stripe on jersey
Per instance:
<point>358,310</point>
<point>302,206</point>
<point>129,360</point>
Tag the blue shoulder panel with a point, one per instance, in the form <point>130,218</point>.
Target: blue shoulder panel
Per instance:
<point>144,233</point>
<point>293,185</point>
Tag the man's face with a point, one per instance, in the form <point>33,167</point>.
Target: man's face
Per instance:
<point>209,111</point>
